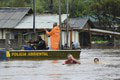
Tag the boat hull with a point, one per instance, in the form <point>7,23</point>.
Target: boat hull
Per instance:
<point>42,54</point>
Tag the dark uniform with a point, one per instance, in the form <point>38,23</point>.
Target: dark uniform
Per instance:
<point>39,44</point>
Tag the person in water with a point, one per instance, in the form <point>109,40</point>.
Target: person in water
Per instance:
<point>54,36</point>
<point>71,60</point>
<point>96,60</point>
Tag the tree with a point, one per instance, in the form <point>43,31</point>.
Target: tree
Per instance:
<point>79,8</point>
<point>106,12</point>
<point>76,7</point>
<point>18,3</point>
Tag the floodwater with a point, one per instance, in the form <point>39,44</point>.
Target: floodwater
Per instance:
<point>107,69</point>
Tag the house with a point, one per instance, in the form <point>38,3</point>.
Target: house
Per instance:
<point>17,21</point>
<point>78,33</point>
<point>9,18</point>
<point>82,30</point>
<point>76,28</point>
<point>44,21</point>
<point>20,21</point>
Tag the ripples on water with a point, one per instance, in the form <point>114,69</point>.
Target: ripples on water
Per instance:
<point>107,69</point>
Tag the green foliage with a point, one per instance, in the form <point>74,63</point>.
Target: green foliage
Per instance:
<point>99,40</point>
<point>19,3</point>
<point>106,12</point>
<point>79,8</point>
<point>76,7</point>
<point>14,3</point>
<point>40,5</point>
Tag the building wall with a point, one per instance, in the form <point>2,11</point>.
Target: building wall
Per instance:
<point>84,39</point>
<point>0,34</point>
<point>75,37</point>
<point>64,33</point>
<point>13,43</point>
<point>87,26</point>
<point>2,43</point>
<point>3,34</point>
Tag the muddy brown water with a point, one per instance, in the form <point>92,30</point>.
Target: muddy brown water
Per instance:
<point>107,69</point>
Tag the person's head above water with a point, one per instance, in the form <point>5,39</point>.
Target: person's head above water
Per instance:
<point>71,60</point>
<point>54,24</point>
<point>96,60</point>
<point>70,57</point>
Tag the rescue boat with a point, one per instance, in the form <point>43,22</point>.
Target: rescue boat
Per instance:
<point>41,54</point>
<point>38,54</point>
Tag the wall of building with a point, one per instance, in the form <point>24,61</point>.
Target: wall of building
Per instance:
<point>13,44</point>
<point>3,34</point>
<point>84,39</point>
<point>0,34</point>
<point>86,26</point>
<point>64,33</point>
<point>75,37</point>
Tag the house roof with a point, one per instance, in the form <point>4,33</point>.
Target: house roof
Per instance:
<point>10,17</point>
<point>104,32</point>
<point>42,21</point>
<point>78,23</point>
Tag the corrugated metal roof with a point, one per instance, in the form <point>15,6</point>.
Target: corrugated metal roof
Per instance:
<point>105,32</point>
<point>77,22</point>
<point>42,21</point>
<point>10,17</point>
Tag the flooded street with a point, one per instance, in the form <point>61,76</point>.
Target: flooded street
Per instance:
<point>107,69</point>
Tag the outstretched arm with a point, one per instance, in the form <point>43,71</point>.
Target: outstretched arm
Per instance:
<point>51,32</point>
<point>64,63</point>
<point>78,62</point>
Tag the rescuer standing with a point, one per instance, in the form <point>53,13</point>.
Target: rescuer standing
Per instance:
<point>54,36</point>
